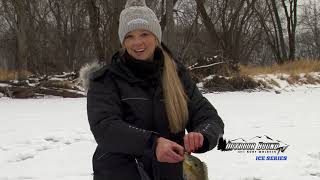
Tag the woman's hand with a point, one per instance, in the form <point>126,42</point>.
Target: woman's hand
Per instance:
<point>193,141</point>
<point>169,151</point>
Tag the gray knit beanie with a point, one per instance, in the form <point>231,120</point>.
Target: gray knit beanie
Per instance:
<point>137,15</point>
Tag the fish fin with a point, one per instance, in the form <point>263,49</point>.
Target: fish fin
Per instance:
<point>205,169</point>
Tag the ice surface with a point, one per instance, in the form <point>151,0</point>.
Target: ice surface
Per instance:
<point>50,139</point>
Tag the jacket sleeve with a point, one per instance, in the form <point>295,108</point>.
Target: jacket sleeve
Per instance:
<point>203,117</point>
<point>106,123</point>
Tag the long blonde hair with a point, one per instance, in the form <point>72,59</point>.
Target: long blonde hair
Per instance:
<point>176,100</point>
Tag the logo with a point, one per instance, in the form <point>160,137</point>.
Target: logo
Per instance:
<point>256,145</point>
<point>138,21</point>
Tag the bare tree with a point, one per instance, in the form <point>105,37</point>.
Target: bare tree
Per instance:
<point>48,36</point>
<point>114,45</point>
<point>16,12</point>
<point>188,27</point>
<point>290,9</point>
<point>104,23</point>
<point>232,27</point>
<point>272,23</point>
<point>279,30</point>
<point>170,24</point>
<point>309,36</point>
<point>94,28</point>
<point>272,28</point>
<point>68,33</point>
<point>163,12</point>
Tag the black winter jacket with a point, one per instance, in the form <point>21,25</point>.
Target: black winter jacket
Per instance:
<point>126,113</point>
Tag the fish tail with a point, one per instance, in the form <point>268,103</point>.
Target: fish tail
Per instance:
<point>205,171</point>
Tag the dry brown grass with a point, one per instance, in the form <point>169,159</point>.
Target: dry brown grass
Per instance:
<point>235,83</point>
<point>306,79</point>
<point>273,82</point>
<point>7,75</point>
<point>296,67</point>
<point>10,75</point>
<point>310,79</point>
<point>293,79</point>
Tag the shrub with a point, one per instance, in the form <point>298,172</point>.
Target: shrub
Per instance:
<point>236,83</point>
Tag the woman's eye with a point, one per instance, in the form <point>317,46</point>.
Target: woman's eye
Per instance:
<point>144,34</point>
<point>128,36</point>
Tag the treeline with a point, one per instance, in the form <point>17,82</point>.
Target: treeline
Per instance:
<point>50,36</point>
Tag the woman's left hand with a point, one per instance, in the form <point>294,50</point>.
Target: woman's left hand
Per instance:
<point>193,141</point>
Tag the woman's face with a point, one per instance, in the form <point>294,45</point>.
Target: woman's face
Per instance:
<point>140,44</point>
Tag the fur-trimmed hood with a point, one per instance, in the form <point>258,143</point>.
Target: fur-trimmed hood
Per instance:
<point>87,71</point>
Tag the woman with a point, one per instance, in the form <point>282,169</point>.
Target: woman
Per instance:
<point>140,105</point>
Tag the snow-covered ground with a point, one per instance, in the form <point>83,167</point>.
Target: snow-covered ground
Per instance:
<point>49,139</point>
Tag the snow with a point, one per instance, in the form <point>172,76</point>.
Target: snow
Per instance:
<point>50,139</point>
<point>4,85</point>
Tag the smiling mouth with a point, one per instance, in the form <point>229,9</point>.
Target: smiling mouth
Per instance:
<point>138,51</point>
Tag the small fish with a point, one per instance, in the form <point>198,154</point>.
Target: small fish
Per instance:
<point>194,168</point>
